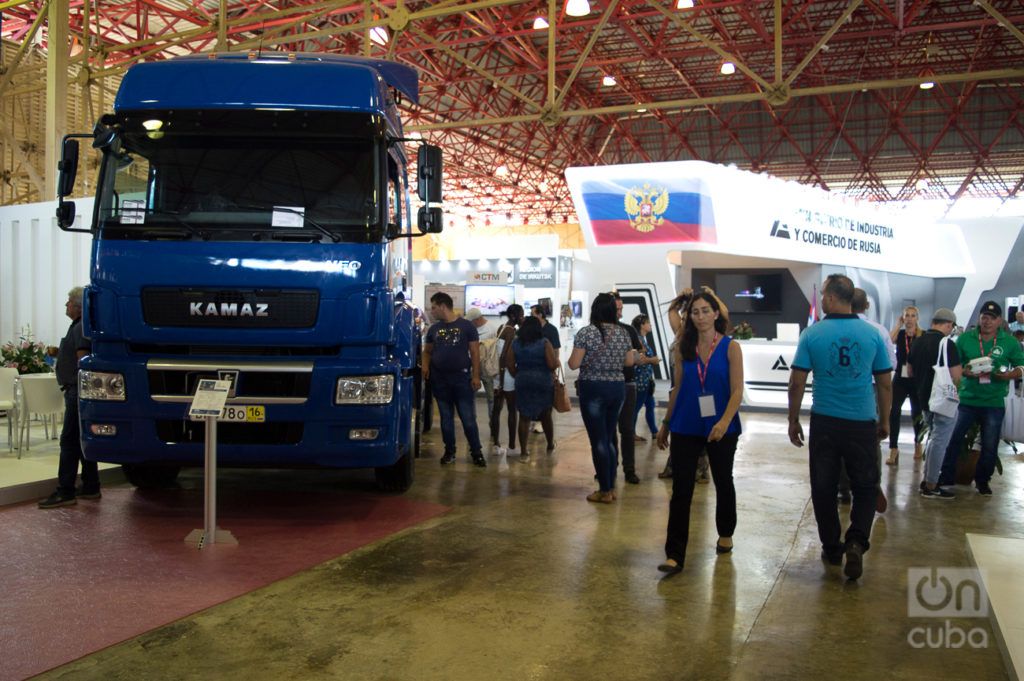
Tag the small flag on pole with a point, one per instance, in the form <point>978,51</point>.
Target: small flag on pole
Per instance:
<point>812,314</point>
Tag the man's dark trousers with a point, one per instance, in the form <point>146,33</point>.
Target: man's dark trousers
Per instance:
<point>71,453</point>
<point>627,430</point>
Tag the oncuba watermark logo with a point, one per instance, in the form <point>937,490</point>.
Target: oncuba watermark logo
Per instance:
<point>946,593</point>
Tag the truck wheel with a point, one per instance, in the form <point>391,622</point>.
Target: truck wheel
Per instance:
<point>397,477</point>
<point>150,475</point>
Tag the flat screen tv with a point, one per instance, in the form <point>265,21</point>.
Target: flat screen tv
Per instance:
<point>749,293</point>
<point>491,300</point>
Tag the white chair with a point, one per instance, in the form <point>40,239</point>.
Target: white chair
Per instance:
<point>41,395</point>
<point>8,377</point>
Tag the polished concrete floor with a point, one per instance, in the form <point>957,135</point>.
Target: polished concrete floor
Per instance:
<point>524,579</point>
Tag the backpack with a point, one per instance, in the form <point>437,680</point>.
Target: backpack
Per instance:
<point>489,357</point>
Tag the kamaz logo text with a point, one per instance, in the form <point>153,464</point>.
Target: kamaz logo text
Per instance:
<point>228,310</point>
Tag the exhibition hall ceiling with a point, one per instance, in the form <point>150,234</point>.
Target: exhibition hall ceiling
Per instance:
<point>826,93</point>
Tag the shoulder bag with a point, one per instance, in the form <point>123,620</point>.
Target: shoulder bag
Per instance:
<point>944,398</point>
<point>561,397</point>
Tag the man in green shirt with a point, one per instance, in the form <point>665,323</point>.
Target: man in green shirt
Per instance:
<point>991,359</point>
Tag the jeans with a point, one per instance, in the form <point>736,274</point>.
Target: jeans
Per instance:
<point>940,429</point>
<point>627,420</point>
<point>685,450</point>
<point>991,420</point>
<point>833,444</point>
<point>71,453</point>
<point>902,388</point>
<point>600,405</point>
<point>455,392</point>
<point>647,401</point>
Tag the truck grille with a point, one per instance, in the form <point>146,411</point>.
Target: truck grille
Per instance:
<point>151,349</point>
<point>270,433</point>
<point>255,383</point>
<point>230,308</point>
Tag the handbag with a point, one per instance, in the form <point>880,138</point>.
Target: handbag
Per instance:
<point>1013,419</point>
<point>944,398</point>
<point>560,400</point>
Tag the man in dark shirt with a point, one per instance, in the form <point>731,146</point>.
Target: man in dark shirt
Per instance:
<point>924,354</point>
<point>627,418</point>
<point>451,362</point>
<point>73,347</point>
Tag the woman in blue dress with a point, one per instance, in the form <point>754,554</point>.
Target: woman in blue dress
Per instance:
<point>703,410</point>
<point>532,359</point>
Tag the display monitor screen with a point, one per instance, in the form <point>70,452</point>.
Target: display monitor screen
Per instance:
<point>747,293</point>
<point>491,300</point>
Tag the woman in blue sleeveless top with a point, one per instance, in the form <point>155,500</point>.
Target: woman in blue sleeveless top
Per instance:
<point>532,359</point>
<point>703,408</point>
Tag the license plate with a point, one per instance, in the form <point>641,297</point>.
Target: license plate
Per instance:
<point>245,413</point>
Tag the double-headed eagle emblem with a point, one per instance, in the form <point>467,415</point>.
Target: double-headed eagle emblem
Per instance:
<point>645,207</point>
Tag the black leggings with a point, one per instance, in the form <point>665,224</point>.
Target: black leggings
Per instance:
<point>902,388</point>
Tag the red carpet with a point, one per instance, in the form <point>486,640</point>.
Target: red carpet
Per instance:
<point>78,579</point>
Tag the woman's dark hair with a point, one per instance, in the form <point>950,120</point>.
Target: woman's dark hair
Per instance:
<point>688,344</point>
<point>639,321</point>
<point>603,311</point>
<point>514,313</point>
<point>529,331</point>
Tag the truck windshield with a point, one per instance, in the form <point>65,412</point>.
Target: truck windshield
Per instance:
<point>258,178</point>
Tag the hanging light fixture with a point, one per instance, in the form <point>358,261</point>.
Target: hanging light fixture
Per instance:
<point>608,81</point>
<point>684,4</point>
<point>577,8</point>
<point>379,35</point>
<point>728,68</point>
<point>927,85</point>
<point>539,23</point>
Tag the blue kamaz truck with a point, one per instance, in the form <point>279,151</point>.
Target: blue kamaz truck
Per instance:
<point>252,223</point>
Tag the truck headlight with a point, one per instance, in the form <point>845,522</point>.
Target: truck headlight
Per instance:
<point>101,385</point>
<point>364,389</point>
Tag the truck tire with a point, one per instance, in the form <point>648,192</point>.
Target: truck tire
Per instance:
<point>150,475</point>
<point>397,477</point>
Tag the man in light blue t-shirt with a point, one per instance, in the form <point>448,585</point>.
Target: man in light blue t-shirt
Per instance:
<point>844,352</point>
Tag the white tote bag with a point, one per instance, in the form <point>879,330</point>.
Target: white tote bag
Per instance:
<point>944,398</point>
<point>1013,419</point>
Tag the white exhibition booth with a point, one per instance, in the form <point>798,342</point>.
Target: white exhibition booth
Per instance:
<point>653,229</point>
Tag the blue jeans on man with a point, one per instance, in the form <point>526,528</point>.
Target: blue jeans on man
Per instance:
<point>454,392</point>
<point>940,429</point>
<point>991,420</point>
<point>600,405</point>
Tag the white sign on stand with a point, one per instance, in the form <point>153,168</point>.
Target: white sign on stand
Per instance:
<point>208,405</point>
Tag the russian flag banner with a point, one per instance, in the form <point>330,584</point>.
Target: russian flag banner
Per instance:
<point>649,211</point>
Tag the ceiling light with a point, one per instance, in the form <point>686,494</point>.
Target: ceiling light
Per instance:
<point>608,81</point>
<point>543,186</point>
<point>501,171</point>
<point>684,4</point>
<point>539,23</point>
<point>577,8</point>
<point>927,85</point>
<point>641,110</point>
<point>728,68</point>
<point>379,35</point>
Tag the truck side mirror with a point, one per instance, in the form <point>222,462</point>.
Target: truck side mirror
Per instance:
<point>430,220</point>
<point>428,170</point>
<point>68,167</point>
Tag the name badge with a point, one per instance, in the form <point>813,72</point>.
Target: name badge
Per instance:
<point>707,405</point>
<point>905,373</point>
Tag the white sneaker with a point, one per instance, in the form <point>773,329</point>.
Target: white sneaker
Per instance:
<point>537,428</point>
<point>500,451</point>
<point>512,452</point>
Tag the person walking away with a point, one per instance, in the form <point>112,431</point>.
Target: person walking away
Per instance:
<point>848,418</point>
<point>531,361</point>
<point>489,360</point>
<point>600,351</point>
<point>551,334</point>
<point>73,347</point>
<point>990,358</point>
<point>451,362</point>
<point>645,378</point>
<point>505,390</point>
<point>903,384</point>
<point>703,415</point>
<point>627,420</point>
<point>923,357</point>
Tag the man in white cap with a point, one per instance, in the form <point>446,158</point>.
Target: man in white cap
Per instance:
<point>488,332</point>
<point>923,357</point>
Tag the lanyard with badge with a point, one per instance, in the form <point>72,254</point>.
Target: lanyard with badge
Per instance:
<point>706,401</point>
<point>904,372</point>
<point>985,379</point>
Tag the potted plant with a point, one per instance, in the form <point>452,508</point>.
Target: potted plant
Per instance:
<point>25,355</point>
<point>742,331</point>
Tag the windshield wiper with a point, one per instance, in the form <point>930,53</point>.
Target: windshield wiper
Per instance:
<point>283,209</point>
<point>189,229</point>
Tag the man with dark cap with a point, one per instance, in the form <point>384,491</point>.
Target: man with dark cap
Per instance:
<point>991,358</point>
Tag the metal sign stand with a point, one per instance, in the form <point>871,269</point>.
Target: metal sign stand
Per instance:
<point>210,534</point>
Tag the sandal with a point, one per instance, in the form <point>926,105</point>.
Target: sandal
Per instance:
<point>894,458</point>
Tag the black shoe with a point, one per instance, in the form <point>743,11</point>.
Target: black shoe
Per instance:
<point>832,558</point>
<point>854,561</point>
<point>721,548</point>
<point>923,486</point>
<point>449,457</point>
<point>478,459</point>
<point>671,567</point>
<point>983,489</point>
<point>632,479</point>
<point>937,493</point>
<point>56,500</point>
<point>90,494</point>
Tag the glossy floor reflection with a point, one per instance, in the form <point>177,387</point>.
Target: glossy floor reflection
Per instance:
<point>524,579</point>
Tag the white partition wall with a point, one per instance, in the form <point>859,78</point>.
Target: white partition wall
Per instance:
<point>39,263</point>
